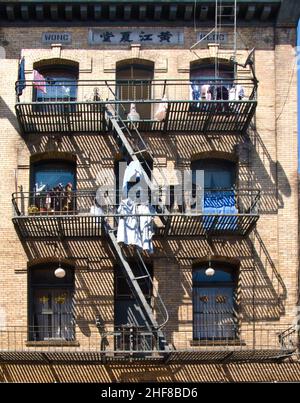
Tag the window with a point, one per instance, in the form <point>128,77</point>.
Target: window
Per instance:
<point>52,184</point>
<point>214,303</point>
<point>60,84</point>
<point>205,74</point>
<point>51,304</point>
<point>134,84</point>
<point>218,173</point>
<point>132,331</point>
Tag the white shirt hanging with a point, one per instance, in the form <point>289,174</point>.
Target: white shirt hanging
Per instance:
<point>146,226</point>
<point>133,171</point>
<point>128,227</point>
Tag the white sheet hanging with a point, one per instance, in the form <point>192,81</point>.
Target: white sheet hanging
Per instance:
<point>161,112</point>
<point>133,171</point>
<point>128,227</point>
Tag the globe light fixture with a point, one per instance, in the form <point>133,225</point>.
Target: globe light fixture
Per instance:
<point>209,272</point>
<point>60,272</point>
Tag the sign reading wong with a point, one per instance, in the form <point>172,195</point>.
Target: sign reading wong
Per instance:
<point>56,37</point>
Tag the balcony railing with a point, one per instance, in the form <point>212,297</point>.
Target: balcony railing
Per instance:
<point>253,342</point>
<point>79,107</point>
<point>82,213</point>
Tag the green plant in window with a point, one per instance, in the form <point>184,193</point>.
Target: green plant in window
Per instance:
<point>44,299</point>
<point>33,209</point>
<point>61,299</point>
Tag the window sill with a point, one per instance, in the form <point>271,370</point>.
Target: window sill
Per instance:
<point>216,342</point>
<point>54,343</point>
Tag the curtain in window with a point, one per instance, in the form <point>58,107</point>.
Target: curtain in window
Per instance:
<point>214,305</point>
<point>58,88</point>
<point>53,314</point>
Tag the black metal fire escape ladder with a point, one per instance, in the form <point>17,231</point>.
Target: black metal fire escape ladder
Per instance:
<point>137,149</point>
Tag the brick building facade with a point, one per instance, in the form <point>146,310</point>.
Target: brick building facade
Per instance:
<point>95,324</point>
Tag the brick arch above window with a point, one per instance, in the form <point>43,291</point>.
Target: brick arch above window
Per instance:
<point>214,154</point>
<point>68,65</point>
<point>53,156</point>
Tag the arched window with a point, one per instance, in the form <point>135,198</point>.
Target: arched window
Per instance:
<point>51,303</point>
<point>134,84</point>
<point>218,173</point>
<point>52,184</point>
<point>209,84</point>
<point>56,83</point>
<point>214,302</point>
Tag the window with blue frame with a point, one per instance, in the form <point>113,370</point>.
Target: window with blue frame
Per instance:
<point>219,184</point>
<point>52,186</point>
<point>214,303</point>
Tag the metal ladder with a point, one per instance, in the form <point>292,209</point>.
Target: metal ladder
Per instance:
<point>137,150</point>
<point>225,17</point>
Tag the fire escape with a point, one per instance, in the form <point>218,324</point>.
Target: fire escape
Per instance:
<point>102,114</point>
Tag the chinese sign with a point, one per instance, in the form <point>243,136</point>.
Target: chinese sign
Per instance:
<point>162,36</point>
<point>212,38</point>
<point>56,37</point>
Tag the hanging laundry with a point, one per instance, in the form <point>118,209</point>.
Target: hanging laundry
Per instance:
<point>39,81</point>
<point>146,226</point>
<point>236,93</point>
<point>195,92</point>
<point>128,226</point>
<point>133,172</point>
<point>133,115</point>
<point>21,77</point>
<point>161,112</point>
<point>205,92</point>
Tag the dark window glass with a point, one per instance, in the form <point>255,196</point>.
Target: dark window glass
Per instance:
<point>214,303</point>
<point>134,84</point>
<point>51,304</point>
<point>218,173</point>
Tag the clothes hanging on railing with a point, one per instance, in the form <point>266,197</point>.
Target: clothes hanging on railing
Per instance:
<point>132,172</point>
<point>21,77</point>
<point>161,112</point>
<point>39,81</point>
<point>133,115</point>
<point>146,226</point>
<point>128,226</point>
<point>134,229</point>
<point>236,93</point>
<point>220,203</point>
<point>206,92</point>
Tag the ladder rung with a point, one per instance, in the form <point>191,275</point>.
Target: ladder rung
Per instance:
<point>141,277</point>
<point>140,151</point>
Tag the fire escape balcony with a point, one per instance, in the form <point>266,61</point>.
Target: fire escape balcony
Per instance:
<point>216,212</point>
<point>228,107</point>
<point>251,343</point>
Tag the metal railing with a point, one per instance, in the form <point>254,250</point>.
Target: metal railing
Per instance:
<point>139,91</point>
<point>106,203</point>
<point>131,339</point>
